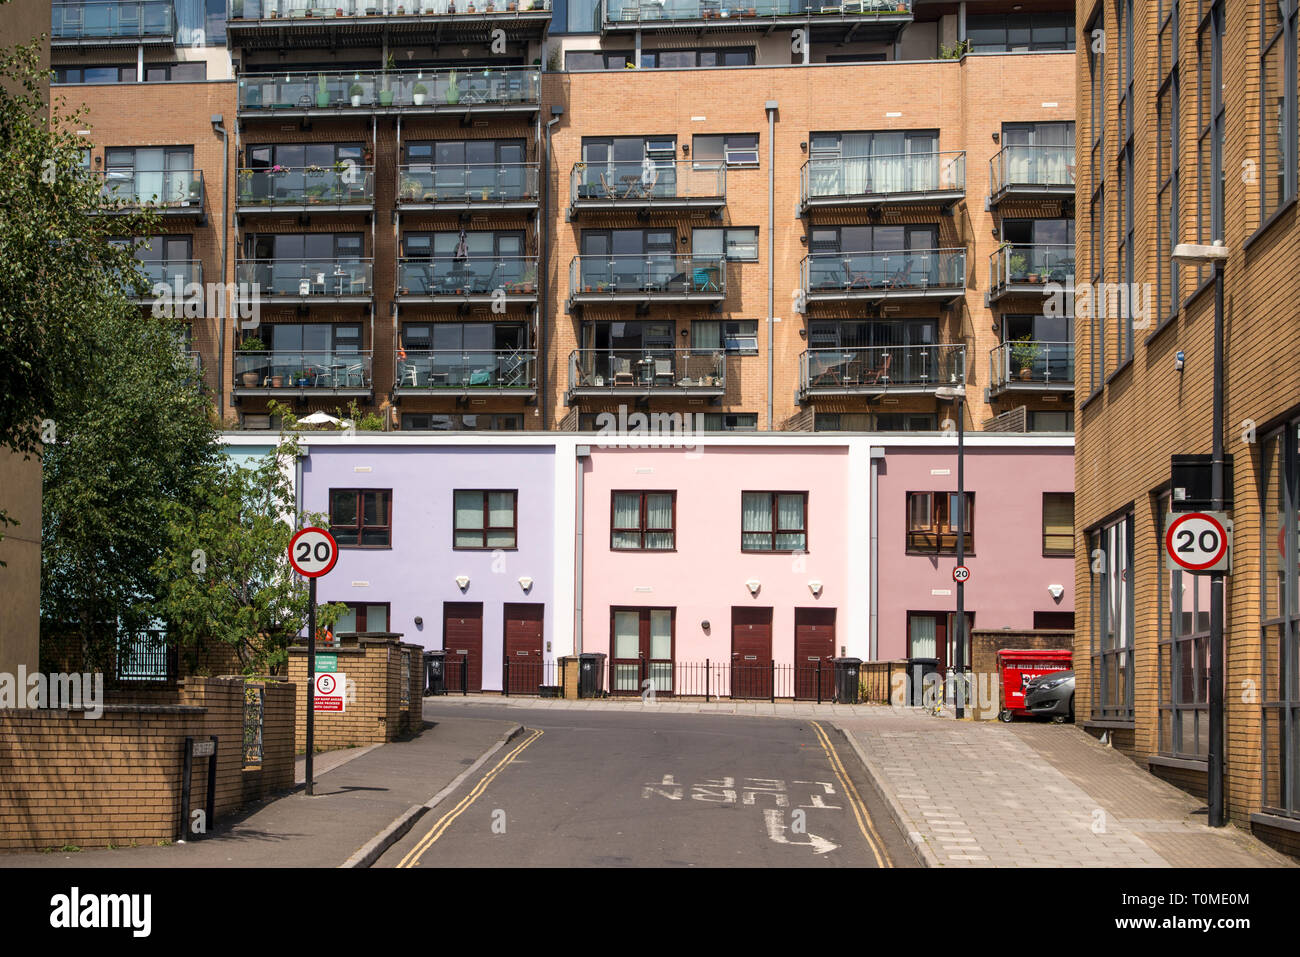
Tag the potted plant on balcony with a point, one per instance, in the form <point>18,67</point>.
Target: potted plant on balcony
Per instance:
<point>409,189</point>
<point>355,91</point>
<point>1024,353</point>
<point>252,344</point>
<point>322,92</point>
<point>418,93</point>
<point>386,91</point>
<point>1018,265</point>
<point>453,88</point>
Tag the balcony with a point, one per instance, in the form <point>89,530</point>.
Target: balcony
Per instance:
<point>277,374</point>
<point>647,372</point>
<point>471,280</point>
<point>301,24</point>
<point>357,93</point>
<point>856,19</point>
<point>178,193</point>
<point>895,275</point>
<point>643,188</point>
<point>100,23</point>
<point>1025,270</point>
<point>343,188</point>
<point>1031,173</point>
<point>456,188</point>
<point>904,180</point>
<point>880,370</point>
<point>1029,365</point>
<point>176,276</point>
<point>652,277</point>
<point>465,373</point>
<point>306,281</point>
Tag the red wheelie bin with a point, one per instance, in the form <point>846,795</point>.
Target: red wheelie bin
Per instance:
<point>1017,665</point>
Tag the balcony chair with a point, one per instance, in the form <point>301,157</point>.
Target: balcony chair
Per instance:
<point>611,191</point>
<point>410,375</point>
<point>354,372</point>
<point>623,373</point>
<point>878,375</point>
<point>703,279</point>
<point>900,277</point>
<point>664,374</point>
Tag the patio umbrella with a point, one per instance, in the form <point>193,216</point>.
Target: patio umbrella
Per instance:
<point>319,418</point>
<point>647,172</point>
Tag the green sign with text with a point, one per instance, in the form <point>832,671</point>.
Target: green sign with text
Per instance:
<point>327,663</point>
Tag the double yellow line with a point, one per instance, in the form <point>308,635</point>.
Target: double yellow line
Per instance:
<point>860,812</point>
<point>412,859</point>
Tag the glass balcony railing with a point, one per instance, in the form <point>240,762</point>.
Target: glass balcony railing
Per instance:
<point>170,191</point>
<point>1031,169</point>
<point>662,274</point>
<point>477,276</point>
<point>641,183</point>
<point>883,274</point>
<point>180,273</point>
<point>468,184</point>
<point>319,279</point>
<point>629,12</point>
<point>445,369</point>
<point>344,184</point>
<point>867,179</point>
<point>329,9</point>
<point>108,20</point>
<point>1021,264</point>
<point>323,370</point>
<point>647,370</point>
<point>881,368</point>
<point>267,93</point>
<point>1031,363</point>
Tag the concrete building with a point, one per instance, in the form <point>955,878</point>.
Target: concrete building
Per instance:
<point>1188,113</point>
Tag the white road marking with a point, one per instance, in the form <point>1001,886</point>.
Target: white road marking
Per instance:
<point>776,829</point>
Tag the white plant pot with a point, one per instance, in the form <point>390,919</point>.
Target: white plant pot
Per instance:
<point>356,101</point>
<point>418,98</point>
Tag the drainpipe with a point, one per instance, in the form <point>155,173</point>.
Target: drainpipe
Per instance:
<point>770,106</point>
<point>873,627</point>
<point>543,279</point>
<point>232,309</point>
<point>580,453</point>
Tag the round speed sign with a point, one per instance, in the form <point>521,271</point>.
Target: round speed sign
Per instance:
<point>313,552</point>
<point>1196,541</point>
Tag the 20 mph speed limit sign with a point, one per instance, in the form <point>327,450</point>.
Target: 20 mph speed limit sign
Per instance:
<point>313,552</point>
<point>1198,542</point>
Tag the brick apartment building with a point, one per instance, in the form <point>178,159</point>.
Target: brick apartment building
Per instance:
<point>654,238</point>
<point>1188,116</point>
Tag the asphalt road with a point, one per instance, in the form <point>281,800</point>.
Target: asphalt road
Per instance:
<point>582,789</point>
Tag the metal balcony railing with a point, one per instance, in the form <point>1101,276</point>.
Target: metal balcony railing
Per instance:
<point>477,276</point>
<point>467,184</point>
<point>885,274</point>
<point>881,369</point>
<point>172,191</point>
<point>1028,265</point>
<point>1031,364</point>
<point>647,370</point>
<point>343,184</point>
<point>270,93</point>
<point>323,370</point>
<point>310,279</point>
<point>645,183</point>
<point>466,370</point>
<point>665,275</point>
<point>1031,170</point>
<point>112,20</point>
<point>330,9</point>
<point>874,179</point>
<point>181,272</point>
<point>666,12</point>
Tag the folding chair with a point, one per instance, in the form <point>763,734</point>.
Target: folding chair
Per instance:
<point>878,375</point>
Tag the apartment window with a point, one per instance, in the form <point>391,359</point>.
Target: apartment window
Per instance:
<point>933,634</point>
<point>1054,620</point>
<point>582,61</point>
<point>733,336</point>
<point>94,74</point>
<point>194,72</point>
<point>932,523</point>
<point>730,421</point>
<point>1211,123</point>
<point>297,156</point>
<point>1110,548</point>
<point>774,521</point>
<point>436,422</point>
<point>1050,422</point>
<point>486,518</point>
<point>685,59</point>
<point>1020,32</point>
<point>1280,620</point>
<point>1124,194</point>
<point>369,618</point>
<point>1167,140</point>
<point>736,149</point>
<point>1183,614</point>
<point>738,243</point>
<point>361,518</point>
<point>643,521</point>
<point>641,649</point>
<point>149,174</point>
<point>1097,183</point>
<point>1058,524</point>
<point>1277,108</point>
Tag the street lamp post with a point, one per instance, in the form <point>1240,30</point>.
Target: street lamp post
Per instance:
<point>1190,254</point>
<point>957,394</point>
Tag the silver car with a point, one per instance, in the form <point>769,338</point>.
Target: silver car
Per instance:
<point>1051,696</point>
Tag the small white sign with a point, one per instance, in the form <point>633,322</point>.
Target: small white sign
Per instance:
<point>1198,541</point>
<point>330,687</point>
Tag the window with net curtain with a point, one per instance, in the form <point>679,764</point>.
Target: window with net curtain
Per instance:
<point>774,521</point>
<point>485,519</point>
<point>642,521</point>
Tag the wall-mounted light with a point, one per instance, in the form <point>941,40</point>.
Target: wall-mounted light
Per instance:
<point>815,587</point>
<point>1178,356</point>
<point>685,333</point>
<point>419,622</point>
<point>753,585</point>
<point>803,333</point>
<point>803,240</point>
<point>803,147</point>
<point>1056,591</point>
<point>683,240</point>
<point>462,582</point>
<point>686,149</point>
<point>705,624</point>
<point>525,583</point>
<point>997,137</point>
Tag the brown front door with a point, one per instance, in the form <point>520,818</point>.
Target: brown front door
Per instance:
<point>751,652</point>
<point>814,647</point>
<point>523,645</point>
<point>462,637</point>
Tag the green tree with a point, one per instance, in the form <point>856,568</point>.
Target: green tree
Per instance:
<point>226,577</point>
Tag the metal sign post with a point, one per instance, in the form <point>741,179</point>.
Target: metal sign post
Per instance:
<point>312,553</point>
<point>311,682</point>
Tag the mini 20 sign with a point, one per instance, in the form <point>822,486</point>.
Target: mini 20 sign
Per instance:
<point>313,552</point>
<point>1198,542</point>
